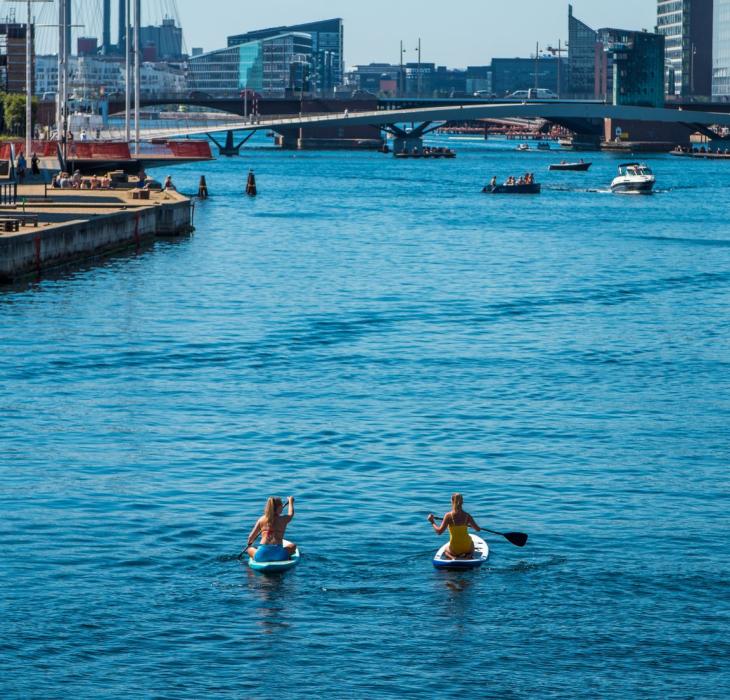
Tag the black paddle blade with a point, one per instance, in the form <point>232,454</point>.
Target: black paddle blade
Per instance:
<point>519,539</point>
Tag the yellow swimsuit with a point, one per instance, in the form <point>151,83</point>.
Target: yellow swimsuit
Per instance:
<point>459,540</point>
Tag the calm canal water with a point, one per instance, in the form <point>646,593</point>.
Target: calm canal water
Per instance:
<point>371,335</point>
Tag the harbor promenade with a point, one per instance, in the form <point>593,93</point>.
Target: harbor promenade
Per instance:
<point>47,228</point>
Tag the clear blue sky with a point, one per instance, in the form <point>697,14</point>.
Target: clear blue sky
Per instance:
<point>466,32</point>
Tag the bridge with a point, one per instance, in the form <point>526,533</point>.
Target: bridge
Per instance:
<point>583,117</point>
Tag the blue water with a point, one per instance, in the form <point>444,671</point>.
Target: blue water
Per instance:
<point>371,335</point>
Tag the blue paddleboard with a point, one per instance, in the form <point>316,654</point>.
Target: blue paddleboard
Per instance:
<point>481,553</point>
<point>274,567</point>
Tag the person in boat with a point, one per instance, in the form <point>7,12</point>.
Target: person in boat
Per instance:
<point>510,181</point>
<point>493,182</point>
<point>272,527</point>
<point>458,521</point>
<point>521,181</point>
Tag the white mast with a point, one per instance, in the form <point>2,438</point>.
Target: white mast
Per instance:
<point>28,84</point>
<point>137,21</point>
<point>128,74</point>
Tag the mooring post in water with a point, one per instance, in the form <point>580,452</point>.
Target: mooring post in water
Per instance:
<point>202,188</point>
<point>251,184</point>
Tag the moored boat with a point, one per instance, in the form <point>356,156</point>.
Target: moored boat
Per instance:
<point>633,178</point>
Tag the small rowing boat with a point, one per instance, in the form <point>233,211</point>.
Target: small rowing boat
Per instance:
<point>532,188</point>
<point>481,554</point>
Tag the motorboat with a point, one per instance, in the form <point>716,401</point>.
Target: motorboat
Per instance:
<point>633,178</point>
<point>580,166</point>
<point>523,147</point>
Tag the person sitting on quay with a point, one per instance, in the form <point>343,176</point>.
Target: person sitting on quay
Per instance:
<point>169,184</point>
<point>76,179</point>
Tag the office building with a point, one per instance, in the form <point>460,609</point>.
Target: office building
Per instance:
<point>582,49</point>
<point>12,57</point>
<point>687,27</point>
<point>638,68</point>
<point>277,66</point>
<point>163,42</point>
<point>478,79</point>
<point>721,51</point>
<point>511,74</point>
<point>374,78</point>
<point>328,63</point>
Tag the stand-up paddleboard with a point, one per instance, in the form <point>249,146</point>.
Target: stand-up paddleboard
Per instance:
<point>481,553</point>
<point>274,567</point>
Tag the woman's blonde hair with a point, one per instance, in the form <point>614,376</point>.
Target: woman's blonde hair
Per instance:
<point>457,501</point>
<point>270,509</point>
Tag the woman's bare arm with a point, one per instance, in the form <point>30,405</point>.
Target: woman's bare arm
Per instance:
<point>291,508</point>
<point>254,533</point>
<point>444,523</point>
<point>473,523</point>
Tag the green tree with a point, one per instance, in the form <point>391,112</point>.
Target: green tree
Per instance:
<point>14,108</point>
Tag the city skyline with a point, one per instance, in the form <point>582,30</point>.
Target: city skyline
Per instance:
<point>544,22</point>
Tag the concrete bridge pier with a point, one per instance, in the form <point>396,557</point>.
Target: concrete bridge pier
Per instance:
<point>230,148</point>
<point>410,140</point>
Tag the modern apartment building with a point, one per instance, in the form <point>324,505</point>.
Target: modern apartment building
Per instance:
<point>721,51</point>
<point>687,26</point>
<point>277,66</point>
<point>328,60</point>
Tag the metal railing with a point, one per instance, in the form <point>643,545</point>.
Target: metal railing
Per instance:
<point>8,193</point>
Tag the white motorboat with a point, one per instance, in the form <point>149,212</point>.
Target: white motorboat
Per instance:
<point>523,147</point>
<point>633,178</point>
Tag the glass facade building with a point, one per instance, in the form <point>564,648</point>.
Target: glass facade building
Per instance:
<point>328,62</point>
<point>721,51</point>
<point>638,68</point>
<point>687,27</point>
<point>582,46</point>
<point>278,66</point>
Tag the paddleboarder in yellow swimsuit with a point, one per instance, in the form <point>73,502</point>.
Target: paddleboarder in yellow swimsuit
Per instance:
<point>458,521</point>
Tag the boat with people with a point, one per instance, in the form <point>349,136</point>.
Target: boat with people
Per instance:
<point>633,178</point>
<point>523,147</point>
<point>580,166</point>
<point>427,152</point>
<point>525,184</point>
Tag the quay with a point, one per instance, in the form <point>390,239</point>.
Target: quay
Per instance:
<point>43,228</point>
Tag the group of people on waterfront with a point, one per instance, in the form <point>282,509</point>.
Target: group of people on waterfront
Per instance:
<point>78,182</point>
<point>271,527</point>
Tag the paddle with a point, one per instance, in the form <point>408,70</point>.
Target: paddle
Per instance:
<point>519,539</point>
